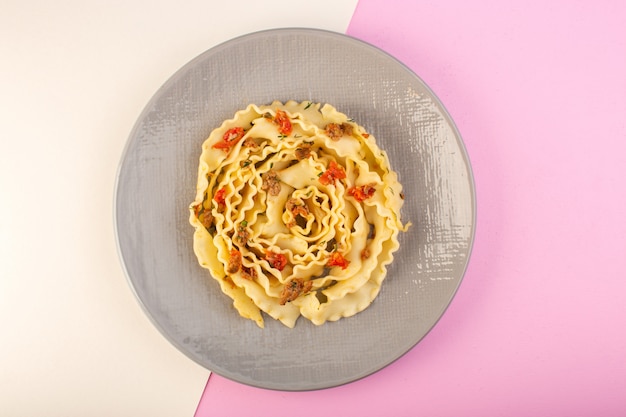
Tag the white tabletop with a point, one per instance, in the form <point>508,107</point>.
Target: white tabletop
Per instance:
<point>75,76</point>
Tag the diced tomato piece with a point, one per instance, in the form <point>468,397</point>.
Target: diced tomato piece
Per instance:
<point>230,138</point>
<point>362,192</point>
<point>332,173</point>
<point>220,196</point>
<point>283,122</point>
<point>276,260</point>
<point>337,259</point>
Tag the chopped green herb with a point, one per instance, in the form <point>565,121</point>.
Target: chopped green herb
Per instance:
<point>309,104</point>
<point>282,136</point>
<point>244,223</point>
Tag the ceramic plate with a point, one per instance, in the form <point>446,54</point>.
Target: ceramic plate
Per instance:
<point>157,179</point>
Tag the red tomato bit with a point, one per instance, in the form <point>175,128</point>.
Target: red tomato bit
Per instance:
<point>362,193</point>
<point>283,122</point>
<point>276,260</point>
<point>220,197</point>
<point>230,138</point>
<point>337,259</point>
<point>332,173</point>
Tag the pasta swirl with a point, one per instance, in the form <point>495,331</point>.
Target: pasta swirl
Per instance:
<point>297,213</point>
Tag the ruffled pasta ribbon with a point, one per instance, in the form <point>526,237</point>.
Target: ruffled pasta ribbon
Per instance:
<point>297,213</point>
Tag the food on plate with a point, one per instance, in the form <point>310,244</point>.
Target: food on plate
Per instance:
<point>297,212</point>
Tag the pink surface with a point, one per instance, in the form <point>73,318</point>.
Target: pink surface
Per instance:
<point>538,91</point>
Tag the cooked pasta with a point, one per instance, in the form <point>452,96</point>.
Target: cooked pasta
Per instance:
<point>297,213</point>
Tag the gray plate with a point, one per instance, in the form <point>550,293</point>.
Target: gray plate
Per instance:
<point>157,178</point>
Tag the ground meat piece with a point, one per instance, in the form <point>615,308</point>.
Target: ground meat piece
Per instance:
<point>250,143</point>
<point>242,235</point>
<point>248,273</point>
<point>234,263</point>
<point>206,218</point>
<point>271,183</point>
<point>335,131</point>
<point>296,208</point>
<point>303,151</point>
<point>293,289</point>
<point>365,253</point>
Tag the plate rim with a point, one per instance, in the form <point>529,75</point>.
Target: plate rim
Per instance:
<point>225,45</point>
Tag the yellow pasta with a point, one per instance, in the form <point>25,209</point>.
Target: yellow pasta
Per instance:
<point>297,213</point>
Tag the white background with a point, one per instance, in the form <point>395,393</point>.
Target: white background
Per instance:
<point>75,75</point>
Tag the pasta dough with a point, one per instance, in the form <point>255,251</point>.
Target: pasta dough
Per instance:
<point>297,213</point>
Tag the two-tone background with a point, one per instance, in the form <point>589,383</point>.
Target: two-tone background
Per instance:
<point>538,92</point>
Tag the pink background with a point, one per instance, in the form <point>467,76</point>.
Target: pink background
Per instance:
<point>538,91</point>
